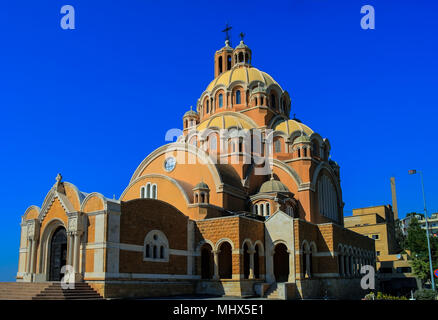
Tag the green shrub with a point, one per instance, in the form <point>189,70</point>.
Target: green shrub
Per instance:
<point>383,296</point>
<point>425,294</point>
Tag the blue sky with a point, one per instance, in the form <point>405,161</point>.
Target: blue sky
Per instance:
<point>93,102</point>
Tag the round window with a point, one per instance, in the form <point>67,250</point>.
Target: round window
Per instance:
<point>169,164</point>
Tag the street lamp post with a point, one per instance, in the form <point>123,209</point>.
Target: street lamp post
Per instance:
<point>427,227</point>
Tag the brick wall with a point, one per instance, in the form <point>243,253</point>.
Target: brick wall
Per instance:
<point>138,218</point>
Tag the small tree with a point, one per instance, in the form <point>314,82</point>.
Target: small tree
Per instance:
<point>416,241</point>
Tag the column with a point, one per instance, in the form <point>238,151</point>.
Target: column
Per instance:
<point>341,267</point>
<point>32,257</point>
<point>76,252</point>
<point>251,263</point>
<point>291,277</point>
<point>216,264</point>
<point>29,255</point>
<point>70,249</point>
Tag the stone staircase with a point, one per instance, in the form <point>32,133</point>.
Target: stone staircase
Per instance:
<point>21,290</point>
<point>46,291</point>
<point>272,292</point>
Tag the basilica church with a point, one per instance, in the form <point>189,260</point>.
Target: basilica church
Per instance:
<point>246,201</point>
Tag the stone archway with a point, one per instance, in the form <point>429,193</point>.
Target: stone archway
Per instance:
<point>225,261</point>
<point>57,254</point>
<point>207,263</point>
<point>281,263</point>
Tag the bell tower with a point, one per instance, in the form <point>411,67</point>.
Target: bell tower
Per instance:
<point>242,53</point>
<point>223,58</point>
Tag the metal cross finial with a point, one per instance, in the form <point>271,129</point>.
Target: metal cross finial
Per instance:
<point>226,30</point>
<point>242,35</point>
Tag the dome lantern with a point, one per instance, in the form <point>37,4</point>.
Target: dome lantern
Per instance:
<point>201,193</point>
<point>223,59</point>
<point>190,119</point>
<point>242,53</point>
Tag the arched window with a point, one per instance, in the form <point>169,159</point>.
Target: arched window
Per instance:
<point>268,209</point>
<point>221,102</point>
<point>304,152</point>
<point>148,190</point>
<point>327,198</point>
<point>261,101</point>
<point>148,251</point>
<point>277,145</point>
<point>246,58</point>
<point>154,191</point>
<point>228,62</point>
<point>202,197</point>
<point>299,152</point>
<point>240,57</point>
<point>238,98</point>
<point>220,64</point>
<point>157,241</point>
<point>154,255</point>
<point>273,102</point>
<point>213,143</point>
<point>255,101</point>
<point>206,107</point>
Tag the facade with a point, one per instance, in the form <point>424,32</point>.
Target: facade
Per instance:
<point>245,202</point>
<point>432,221</point>
<point>394,270</point>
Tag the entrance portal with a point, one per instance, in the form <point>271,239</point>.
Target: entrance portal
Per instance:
<point>58,254</point>
<point>281,263</point>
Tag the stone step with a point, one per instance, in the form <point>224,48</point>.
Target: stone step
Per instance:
<point>46,291</point>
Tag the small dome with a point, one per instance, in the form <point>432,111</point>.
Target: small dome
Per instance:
<point>201,185</point>
<point>191,113</point>
<point>273,186</point>
<point>302,139</point>
<point>243,74</point>
<point>242,45</point>
<point>227,46</point>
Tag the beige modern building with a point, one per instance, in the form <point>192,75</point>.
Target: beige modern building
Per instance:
<point>394,271</point>
<point>432,221</point>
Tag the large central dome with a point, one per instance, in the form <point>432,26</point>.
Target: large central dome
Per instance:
<point>244,73</point>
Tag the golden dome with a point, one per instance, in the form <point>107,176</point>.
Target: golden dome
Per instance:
<point>273,186</point>
<point>226,120</point>
<point>242,73</point>
<point>290,126</point>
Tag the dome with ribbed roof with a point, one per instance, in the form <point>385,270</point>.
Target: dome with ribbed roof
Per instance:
<point>201,185</point>
<point>191,113</point>
<point>243,73</point>
<point>289,126</point>
<point>273,186</point>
